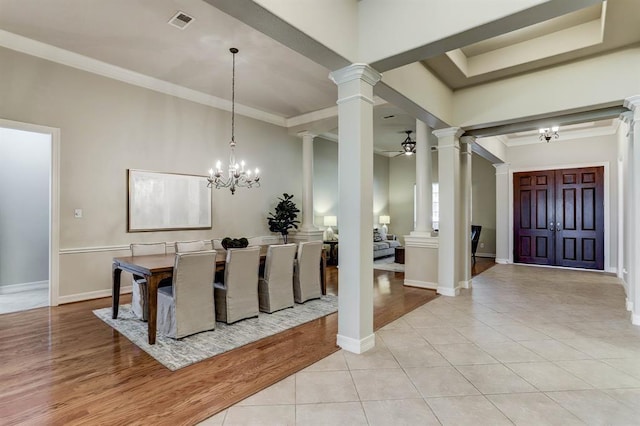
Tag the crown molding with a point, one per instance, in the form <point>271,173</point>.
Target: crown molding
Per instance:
<point>71,59</point>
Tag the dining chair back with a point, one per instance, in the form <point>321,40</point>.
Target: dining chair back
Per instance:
<point>191,246</point>
<point>187,307</point>
<point>139,283</point>
<point>275,288</point>
<point>306,281</point>
<point>237,297</point>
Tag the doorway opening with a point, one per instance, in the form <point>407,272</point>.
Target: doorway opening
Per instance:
<point>28,261</point>
<point>558,217</point>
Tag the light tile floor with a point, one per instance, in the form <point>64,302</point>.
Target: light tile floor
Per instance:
<point>24,300</point>
<point>525,346</point>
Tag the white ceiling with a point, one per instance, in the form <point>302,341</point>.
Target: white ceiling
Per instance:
<point>270,77</point>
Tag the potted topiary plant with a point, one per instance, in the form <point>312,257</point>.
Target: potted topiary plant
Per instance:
<point>284,216</point>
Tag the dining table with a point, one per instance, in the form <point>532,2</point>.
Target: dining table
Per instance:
<point>158,267</point>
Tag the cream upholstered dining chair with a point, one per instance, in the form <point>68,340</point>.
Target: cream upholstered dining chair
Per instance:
<point>139,283</point>
<point>306,281</point>
<point>275,289</point>
<point>237,297</point>
<point>187,307</point>
<point>189,246</point>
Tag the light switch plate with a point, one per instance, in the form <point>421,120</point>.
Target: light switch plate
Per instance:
<point>77,213</point>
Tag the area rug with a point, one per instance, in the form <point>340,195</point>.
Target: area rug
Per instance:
<point>388,264</point>
<point>176,354</point>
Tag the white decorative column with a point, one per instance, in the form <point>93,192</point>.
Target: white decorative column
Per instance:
<point>449,201</point>
<point>626,222</point>
<point>421,248</point>
<point>465,211</point>
<point>355,187</point>
<point>503,221</point>
<point>308,231</point>
<point>633,103</point>
<point>424,182</point>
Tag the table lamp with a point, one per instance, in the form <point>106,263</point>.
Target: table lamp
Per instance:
<point>330,221</point>
<point>384,221</point>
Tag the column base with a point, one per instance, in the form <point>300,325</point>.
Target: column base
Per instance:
<point>421,284</point>
<point>465,284</point>
<point>502,261</point>
<point>448,291</point>
<point>356,346</point>
<point>307,235</point>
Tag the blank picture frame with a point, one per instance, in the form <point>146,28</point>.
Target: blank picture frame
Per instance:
<point>160,201</point>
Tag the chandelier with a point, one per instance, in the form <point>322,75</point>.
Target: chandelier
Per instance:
<point>408,145</point>
<point>236,176</point>
<point>547,134</point>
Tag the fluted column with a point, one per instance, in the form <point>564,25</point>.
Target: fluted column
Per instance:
<point>465,211</point>
<point>355,168</point>
<point>449,201</point>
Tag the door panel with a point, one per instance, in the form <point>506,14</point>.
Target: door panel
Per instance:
<point>580,218</point>
<point>559,217</point>
<point>533,217</point>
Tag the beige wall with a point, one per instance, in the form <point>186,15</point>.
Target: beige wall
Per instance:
<point>483,199</point>
<point>568,153</point>
<point>325,182</point>
<point>107,127</point>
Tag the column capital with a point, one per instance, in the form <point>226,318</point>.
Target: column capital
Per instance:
<point>306,134</point>
<point>455,132</point>
<point>355,72</point>
<point>502,168</point>
<point>633,103</point>
<point>467,140</point>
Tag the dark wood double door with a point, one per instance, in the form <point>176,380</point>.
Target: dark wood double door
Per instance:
<point>559,217</point>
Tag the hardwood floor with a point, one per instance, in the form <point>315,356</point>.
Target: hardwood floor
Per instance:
<point>481,265</point>
<point>63,365</point>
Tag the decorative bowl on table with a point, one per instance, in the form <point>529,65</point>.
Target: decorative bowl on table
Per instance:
<point>228,242</point>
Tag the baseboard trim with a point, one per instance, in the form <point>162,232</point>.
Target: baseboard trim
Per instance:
<point>421,284</point>
<point>502,261</point>
<point>492,255</point>
<point>635,319</point>
<point>356,346</point>
<point>629,305</point>
<point>17,288</point>
<point>90,295</point>
<point>448,291</point>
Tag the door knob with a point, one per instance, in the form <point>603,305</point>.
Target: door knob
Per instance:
<point>558,226</point>
<point>551,226</point>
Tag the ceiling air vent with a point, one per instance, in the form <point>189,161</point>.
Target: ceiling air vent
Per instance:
<point>181,20</point>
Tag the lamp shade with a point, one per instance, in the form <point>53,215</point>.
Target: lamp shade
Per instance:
<point>385,220</point>
<point>330,221</point>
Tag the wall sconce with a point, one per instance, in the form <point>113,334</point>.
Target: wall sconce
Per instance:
<point>330,221</point>
<point>547,134</point>
<point>384,221</point>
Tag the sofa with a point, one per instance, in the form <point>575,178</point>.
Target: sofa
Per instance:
<point>384,247</point>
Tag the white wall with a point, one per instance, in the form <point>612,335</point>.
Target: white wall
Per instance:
<point>563,153</point>
<point>107,127</point>
<point>25,167</point>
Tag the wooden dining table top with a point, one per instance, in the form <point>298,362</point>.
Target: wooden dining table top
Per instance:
<point>154,263</point>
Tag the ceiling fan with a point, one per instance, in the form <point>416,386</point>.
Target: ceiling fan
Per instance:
<point>408,146</point>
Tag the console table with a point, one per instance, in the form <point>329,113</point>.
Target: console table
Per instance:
<point>399,255</point>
